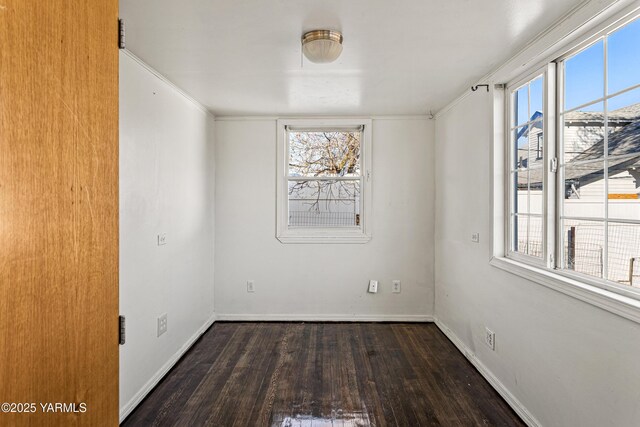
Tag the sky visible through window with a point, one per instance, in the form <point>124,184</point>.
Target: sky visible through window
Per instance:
<point>585,78</point>
<point>584,72</point>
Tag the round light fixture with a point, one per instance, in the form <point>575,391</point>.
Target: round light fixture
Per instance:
<point>322,46</point>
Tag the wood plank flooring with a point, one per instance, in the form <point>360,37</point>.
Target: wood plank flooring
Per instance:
<point>323,374</point>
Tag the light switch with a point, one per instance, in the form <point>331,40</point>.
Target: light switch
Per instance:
<point>373,286</point>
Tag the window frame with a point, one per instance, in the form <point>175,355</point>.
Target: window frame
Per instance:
<point>358,234</point>
<point>610,296</point>
<point>548,126</point>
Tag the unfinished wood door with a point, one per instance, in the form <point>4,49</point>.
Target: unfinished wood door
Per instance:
<point>59,211</point>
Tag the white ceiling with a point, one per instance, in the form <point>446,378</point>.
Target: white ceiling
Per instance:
<point>242,57</point>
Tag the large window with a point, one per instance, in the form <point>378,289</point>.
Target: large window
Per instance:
<point>323,181</point>
<point>577,210</point>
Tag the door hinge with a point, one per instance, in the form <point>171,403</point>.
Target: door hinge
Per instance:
<point>121,44</point>
<point>121,321</point>
<point>553,165</point>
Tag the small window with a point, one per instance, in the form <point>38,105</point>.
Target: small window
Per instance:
<point>323,181</point>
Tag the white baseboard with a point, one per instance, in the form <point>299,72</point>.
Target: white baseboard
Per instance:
<point>517,406</point>
<point>135,400</point>
<point>326,317</point>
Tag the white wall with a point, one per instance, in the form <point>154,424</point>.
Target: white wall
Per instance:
<point>567,362</point>
<point>166,186</point>
<point>320,281</point>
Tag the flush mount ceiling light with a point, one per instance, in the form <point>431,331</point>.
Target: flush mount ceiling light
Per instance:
<point>322,46</point>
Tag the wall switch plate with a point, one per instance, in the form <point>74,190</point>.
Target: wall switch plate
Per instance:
<point>250,286</point>
<point>395,286</point>
<point>475,237</point>
<point>162,324</point>
<point>373,286</point>
<point>162,239</point>
<point>490,338</point>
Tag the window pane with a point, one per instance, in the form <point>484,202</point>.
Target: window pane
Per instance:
<point>623,120</point>
<point>624,249</point>
<point>521,103</point>
<point>583,243</point>
<point>624,189</point>
<point>584,76</point>
<point>623,57</point>
<point>324,154</point>
<point>536,98</point>
<point>534,144</point>
<point>521,192</point>
<point>520,228</point>
<point>521,138</point>
<point>584,190</point>
<point>535,246</point>
<point>583,133</point>
<point>324,203</point>
<point>536,196</point>
<point>624,106</point>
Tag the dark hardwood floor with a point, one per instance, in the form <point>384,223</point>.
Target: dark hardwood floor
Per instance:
<point>323,374</point>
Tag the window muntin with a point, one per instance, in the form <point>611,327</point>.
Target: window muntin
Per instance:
<point>526,169</point>
<point>600,152</point>
<point>323,188</point>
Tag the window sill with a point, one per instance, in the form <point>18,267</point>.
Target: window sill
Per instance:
<point>300,238</point>
<point>621,305</point>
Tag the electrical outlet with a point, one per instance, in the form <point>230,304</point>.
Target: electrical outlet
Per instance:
<point>373,286</point>
<point>251,286</point>
<point>162,324</point>
<point>490,338</point>
<point>475,237</point>
<point>162,239</point>
<point>395,286</point>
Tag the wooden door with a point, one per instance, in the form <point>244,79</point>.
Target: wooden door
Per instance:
<point>59,210</point>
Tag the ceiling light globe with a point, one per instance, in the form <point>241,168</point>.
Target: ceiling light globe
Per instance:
<point>322,46</point>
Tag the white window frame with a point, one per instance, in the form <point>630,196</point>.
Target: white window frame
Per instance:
<point>603,282</point>
<point>357,234</point>
<point>548,72</point>
<point>601,293</point>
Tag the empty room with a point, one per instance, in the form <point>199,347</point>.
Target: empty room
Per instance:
<point>299,213</point>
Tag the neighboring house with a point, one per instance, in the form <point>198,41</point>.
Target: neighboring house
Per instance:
<point>585,191</point>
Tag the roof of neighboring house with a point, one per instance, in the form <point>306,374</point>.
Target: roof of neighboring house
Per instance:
<point>624,152</point>
<point>625,141</point>
<point>625,114</point>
